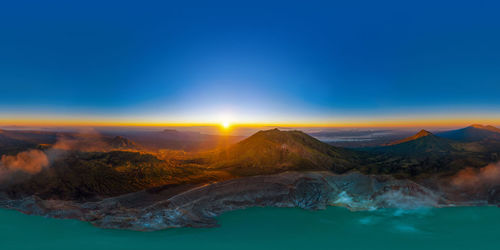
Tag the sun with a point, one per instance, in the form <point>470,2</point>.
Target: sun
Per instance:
<point>225,125</point>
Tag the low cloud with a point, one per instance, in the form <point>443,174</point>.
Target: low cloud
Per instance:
<point>471,177</point>
<point>84,140</point>
<point>31,162</point>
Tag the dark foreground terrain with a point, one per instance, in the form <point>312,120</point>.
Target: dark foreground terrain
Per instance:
<point>114,182</point>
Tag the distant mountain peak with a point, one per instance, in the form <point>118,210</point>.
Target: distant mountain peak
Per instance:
<point>280,136</point>
<point>122,142</point>
<point>272,131</point>
<point>477,126</point>
<point>423,143</point>
<point>485,127</point>
<point>180,133</point>
<point>420,134</point>
<point>474,132</point>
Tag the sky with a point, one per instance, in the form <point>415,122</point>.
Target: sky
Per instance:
<point>250,62</point>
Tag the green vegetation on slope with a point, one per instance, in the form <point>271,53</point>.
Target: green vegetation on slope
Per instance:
<point>274,151</point>
<point>87,175</point>
<point>425,154</point>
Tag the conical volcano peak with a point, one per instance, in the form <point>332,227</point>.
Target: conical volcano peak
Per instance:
<point>281,136</point>
<point>420,134</point>
<point>274,149</point>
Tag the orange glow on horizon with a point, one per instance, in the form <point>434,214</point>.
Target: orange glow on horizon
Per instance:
<point>356,123</point>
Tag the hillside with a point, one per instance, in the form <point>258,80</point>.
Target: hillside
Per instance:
<point>120,142</point>
<point>91,175</point>
<point>274,151</point>
<point>475,132</point>
<point>80,174</point>
<point>422,143</point>
<point>424,154</point>
<point>15,141</point>
<point>77,173</point>
<point>420,134</point>
<point>12,141</point>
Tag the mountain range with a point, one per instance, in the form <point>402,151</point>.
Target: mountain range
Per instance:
<point>122,185</point>
<point>85,174</point>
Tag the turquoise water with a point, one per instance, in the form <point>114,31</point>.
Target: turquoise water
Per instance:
<point>274,228</point>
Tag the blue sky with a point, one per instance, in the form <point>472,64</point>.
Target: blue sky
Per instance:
<point>258,61</point>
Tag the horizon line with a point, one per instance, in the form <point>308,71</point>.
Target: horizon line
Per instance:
<point>394,123</point>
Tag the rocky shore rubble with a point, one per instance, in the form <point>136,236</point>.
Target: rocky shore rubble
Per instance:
<point>199,206</point>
